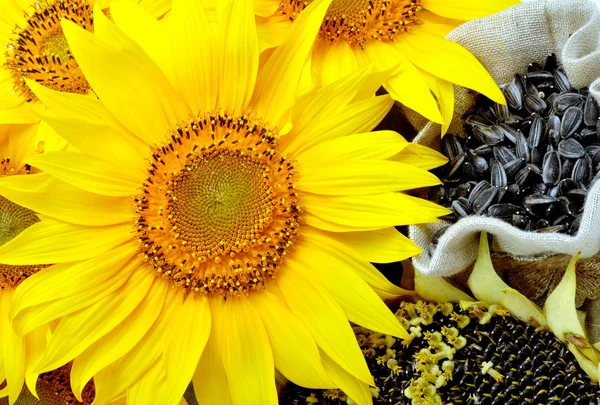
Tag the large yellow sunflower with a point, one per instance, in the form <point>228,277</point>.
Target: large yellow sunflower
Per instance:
<point>403,36</point>
<point>33,47</point>
<point>216,227</point>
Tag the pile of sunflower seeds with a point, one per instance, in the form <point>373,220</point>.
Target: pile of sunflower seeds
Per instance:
<point>530,163</point>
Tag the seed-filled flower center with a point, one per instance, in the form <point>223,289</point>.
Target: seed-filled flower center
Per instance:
<point>39,50</point>
<point>358,21</point>
<point>14,219</point>
<point>218,211</point>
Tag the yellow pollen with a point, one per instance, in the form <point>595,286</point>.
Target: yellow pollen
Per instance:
<point>14,219</point>
<point>218,209</point>
<point>358,21</point>
<point>39,50</point>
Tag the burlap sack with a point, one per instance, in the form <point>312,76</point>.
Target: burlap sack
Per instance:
<point>506,43</point>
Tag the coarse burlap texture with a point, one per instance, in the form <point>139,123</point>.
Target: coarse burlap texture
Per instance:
<point>506,43</point>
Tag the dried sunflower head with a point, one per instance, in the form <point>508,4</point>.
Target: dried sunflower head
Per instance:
<point>481,355</point>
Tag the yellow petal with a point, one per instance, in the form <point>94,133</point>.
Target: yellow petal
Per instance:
<point>357,390</point>
<point>332,61</point>
<point>51,241</point>
<point>421,156</point>
<point>369,145</point>
<point>385,245</point>
<point>134,89</point>
<point>185,341</point>
<point>277,82</point>
<point>444,93</point>
<point>358,177</point>
<point>265,8</point>
<point>406,84</point>
<point>295,352</point>
<point>118,341</point>
<point>64,288</point>
<point>126,151</point>
<point>113,381</point>
<point>246,354</point>
<point>322,315</point>
<point>88,173</point>
<point>459,66</point>
<point>191,66</point>
<point>13,349</point>
<point>77,331</point>
<point>358,117</point>
<point>271,30</point>
<point>35,347</point>
<point>210,380</point>
<point>467,9</point>
<point>238,49</point>
<point>371,212</point>
<point>49,196</point>
<point>358,301</point>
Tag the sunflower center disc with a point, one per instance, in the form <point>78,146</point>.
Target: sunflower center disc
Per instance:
<point>357,21</point>
<point>219,209</point>
<point>14,219</point>
<point>39,50</point>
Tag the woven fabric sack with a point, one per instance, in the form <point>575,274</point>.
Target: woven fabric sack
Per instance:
<point>506,43</point>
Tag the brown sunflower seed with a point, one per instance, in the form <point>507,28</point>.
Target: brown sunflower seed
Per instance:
<point>522,147</point>
<point>562,83</point>
<point>451,146</point>
<point>484,200</point>
<point>566,100</point>
<point>534,103</point>
<point>513,167</point>
<point>498,177</point>
<point>503,155</point>
<point>590,111</point>
<point>535,132</point>
<point>513,93</point>
<point>503,211</point>
<point>462,208</point>
<point>551,168</point>
<point>570,149</point>
<point>456,164</point>
<point>571,120</point>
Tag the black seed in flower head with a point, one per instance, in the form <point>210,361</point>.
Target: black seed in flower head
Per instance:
<point>477,373</point>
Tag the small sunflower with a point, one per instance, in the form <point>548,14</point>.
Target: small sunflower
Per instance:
<point>33,47</point>
<point>404,37</point>
<point>18,355</point>
<point>217,226</point>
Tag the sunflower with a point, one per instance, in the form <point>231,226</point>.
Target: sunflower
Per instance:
<point>34,48</point>
<point>404,37</point>
<point>18,355</point>
<point>217,226</point>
